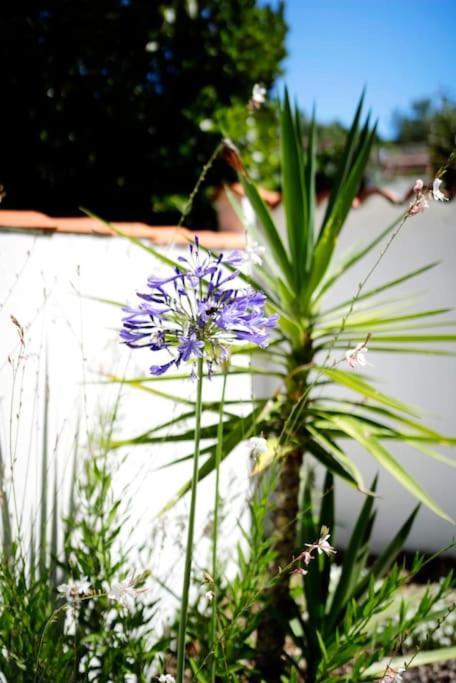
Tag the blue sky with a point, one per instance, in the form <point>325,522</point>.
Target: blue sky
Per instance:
<point>402,50</point>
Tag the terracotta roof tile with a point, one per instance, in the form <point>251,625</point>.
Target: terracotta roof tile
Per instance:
<point>84,225</point>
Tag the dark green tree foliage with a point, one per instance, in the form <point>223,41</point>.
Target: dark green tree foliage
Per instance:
<point>102,101</point>
<point>414,126</point>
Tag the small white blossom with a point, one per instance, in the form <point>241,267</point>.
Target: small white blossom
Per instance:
<point>122,591</point>
<point>210,595</point>
<point>357,356</point>
<point>74,589</point>
<point>258,94</point>
<point>257,446</point>
<point>418,186</point>
<point>322,546</point>
<point>436,191</point>
<point>393,675</point>
<point>254,253</point>
<point>166,678</point>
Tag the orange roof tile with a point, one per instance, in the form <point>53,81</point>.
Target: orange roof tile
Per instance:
<point>84,225</point>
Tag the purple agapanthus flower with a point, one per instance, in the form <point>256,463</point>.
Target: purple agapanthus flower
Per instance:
<point>197,311</point>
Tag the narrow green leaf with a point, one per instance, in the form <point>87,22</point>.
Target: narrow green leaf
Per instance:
<point>270,232</point>
<point>54,535</point>
<point>351,427</point>
<point>332,227</point>
<point>307,530</point>
<point>207,432</point>
<point>350,566</point>
<point>44,477</point>
<point>309,185</point>
<point>415,338</point>
<point>386,559</point>
<point>327,519</point>
<point>354,475</point>
<point>293,200</point>
<point>349,406</point>
<point>243,430</point>
<point>370,322</point>
<point>6,519</point>
<point>332,463</point>
<point>360,386</point>
<point>74,475</point>
<point>346,158</point>
<point>376,290</point>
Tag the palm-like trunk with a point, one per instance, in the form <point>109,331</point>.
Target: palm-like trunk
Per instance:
<point>272,628</point>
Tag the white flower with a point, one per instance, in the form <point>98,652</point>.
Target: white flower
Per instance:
<point>122,591</point>
<point>418,186</point>
<point>436,192</point>
<point>254,253</point>
<point>322,546</point>
<point>166,678</point>
<point>259,94</point>
<point>357,356</point>
<point>257,446</point>
<point>209,595</point>
<point>72,590</point>
<point>393,675</point>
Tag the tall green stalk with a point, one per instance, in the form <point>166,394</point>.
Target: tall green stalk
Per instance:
<point>191,528</point>
<point>218,458</point>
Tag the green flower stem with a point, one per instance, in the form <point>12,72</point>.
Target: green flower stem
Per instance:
<point>191,528</point>
<point>218,458</point>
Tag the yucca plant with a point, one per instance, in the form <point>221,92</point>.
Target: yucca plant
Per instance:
<point>298,275</point>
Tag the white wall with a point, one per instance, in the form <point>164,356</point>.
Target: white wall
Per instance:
<point>44,281</point>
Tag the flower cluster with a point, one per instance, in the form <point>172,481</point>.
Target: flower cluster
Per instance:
<point>197,312</point>
<point>75,590</point>
<point>420,203</point>
<point>322,547</point>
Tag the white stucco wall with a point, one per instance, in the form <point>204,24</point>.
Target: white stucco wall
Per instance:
<point>44,283</point>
